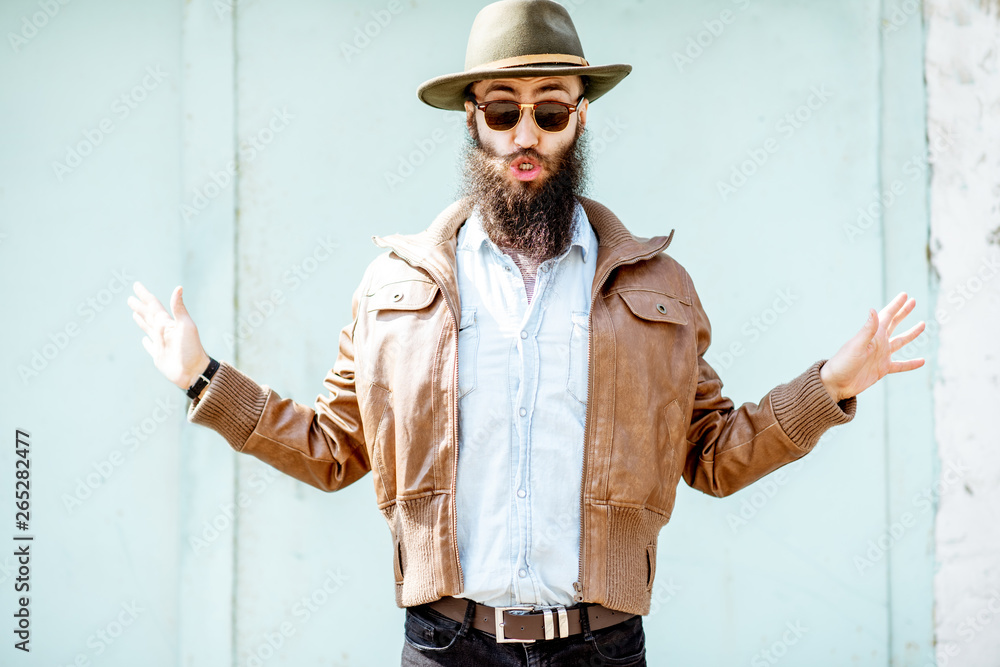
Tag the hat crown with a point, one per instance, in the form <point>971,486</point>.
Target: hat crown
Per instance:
<point>514,28</point>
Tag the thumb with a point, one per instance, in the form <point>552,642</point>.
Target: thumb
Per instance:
<point>177,303</point>
<point>870,327</point>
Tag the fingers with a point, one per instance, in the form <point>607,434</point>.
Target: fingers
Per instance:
<point>899,341</point>
<point>892,308</point>
<point>147,304</point>
<point>908,365</point>
<point>907,308</point>
<point>142,323</point>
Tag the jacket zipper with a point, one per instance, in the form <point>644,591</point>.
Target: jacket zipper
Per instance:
<point>578,584</point>
<point>454,425</point>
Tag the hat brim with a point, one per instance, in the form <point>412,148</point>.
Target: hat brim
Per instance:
<point>447,91</point>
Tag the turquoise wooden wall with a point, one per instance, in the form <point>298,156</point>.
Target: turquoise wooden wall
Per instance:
<point>158,545</point>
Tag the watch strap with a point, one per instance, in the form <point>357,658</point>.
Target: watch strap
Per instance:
<point>206,376</point>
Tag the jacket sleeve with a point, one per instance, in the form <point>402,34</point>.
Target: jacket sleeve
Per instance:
<point>730,448</point>
<point>322,445</point>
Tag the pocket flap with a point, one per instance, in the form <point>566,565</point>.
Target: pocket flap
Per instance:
<point>468,318</point>
<point>403,295</point>
<point>656,306</point>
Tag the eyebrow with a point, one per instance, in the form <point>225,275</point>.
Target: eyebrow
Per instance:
<point>543,88</point>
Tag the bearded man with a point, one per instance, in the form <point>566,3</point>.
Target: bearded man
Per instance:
<point>526,381</point>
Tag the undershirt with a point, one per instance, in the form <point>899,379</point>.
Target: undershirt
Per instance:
<point>528,268</point>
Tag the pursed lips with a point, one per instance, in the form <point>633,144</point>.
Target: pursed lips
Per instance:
<point>525,168</point>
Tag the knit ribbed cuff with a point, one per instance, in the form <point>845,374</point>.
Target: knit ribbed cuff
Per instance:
<point>231,405</point>
<point>805,409</point>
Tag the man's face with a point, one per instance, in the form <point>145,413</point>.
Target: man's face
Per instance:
<point>526,144</point>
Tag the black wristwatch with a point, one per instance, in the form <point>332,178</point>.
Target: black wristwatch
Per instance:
<point>203,379</point>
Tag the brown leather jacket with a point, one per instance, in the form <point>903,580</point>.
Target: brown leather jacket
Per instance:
<point>655,411</point>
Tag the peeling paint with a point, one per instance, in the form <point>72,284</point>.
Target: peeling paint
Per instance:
<point>963,93</point>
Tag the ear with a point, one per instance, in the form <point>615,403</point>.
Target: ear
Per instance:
<point>470,113</point>
<point>582,111</point>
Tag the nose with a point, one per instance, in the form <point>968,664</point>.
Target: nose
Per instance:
<point>526,133</point>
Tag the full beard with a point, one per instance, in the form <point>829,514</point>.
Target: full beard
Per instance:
<point>533,219</point>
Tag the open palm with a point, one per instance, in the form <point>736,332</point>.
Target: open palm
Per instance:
<point>867,357</point>
<point>173,342</point>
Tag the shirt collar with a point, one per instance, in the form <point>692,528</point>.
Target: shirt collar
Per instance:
<point>474,235</point>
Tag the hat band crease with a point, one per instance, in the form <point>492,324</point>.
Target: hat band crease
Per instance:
<point>532,59</point>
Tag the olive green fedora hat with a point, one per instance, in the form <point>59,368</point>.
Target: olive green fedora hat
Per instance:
<point>521,38</point>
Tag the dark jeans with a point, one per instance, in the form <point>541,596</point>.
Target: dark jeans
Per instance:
<point>434,639</point>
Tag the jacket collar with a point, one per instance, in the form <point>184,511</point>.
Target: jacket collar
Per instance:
<point>433,249</point>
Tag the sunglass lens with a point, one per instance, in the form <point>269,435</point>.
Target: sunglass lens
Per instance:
<point>551,117</point>
<point>502,116</point>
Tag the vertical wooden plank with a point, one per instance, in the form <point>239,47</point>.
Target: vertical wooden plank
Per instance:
<point>88,184</point>
<point>782,283</point>
<point>314,571</point>
<point>205,212</point>
<point>909,436</point>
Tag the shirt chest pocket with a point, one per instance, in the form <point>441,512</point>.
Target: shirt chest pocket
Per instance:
<point>576,377</point>
<point>468,352</point>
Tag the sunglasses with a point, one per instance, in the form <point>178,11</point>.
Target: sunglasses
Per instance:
<point>503,115</point>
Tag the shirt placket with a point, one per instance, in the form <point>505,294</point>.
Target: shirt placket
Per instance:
<point>525,585</point>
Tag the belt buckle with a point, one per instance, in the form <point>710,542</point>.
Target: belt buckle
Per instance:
<point>498,620</point>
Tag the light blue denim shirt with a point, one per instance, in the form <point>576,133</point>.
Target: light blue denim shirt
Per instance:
<point>522,378</point>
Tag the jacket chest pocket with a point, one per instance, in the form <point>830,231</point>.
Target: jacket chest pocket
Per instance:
<point>468,351</point>
<point>576,378</point>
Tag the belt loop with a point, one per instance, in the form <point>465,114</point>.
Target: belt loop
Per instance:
<point>549,625</point>
<point>470,614</point>
<point>563,622</point>
<point>585,622</point>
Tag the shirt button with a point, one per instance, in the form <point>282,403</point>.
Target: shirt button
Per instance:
<point>522,412</point>
<point>524,334</point>
<point>521,493</point>
<point>506,268</point>
<point>545,267</point>
<point>522,573</point>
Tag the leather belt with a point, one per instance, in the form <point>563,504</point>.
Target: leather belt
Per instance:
<point>524,624</point>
